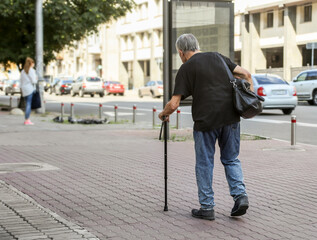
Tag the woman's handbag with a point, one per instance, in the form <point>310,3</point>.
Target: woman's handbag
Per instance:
<point>245,101</point>
<point>36,99</point>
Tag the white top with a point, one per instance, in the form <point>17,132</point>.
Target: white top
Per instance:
<point>27,82</point>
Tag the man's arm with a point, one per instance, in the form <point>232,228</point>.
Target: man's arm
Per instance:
<point>240,72</point>
<point>170,107</point>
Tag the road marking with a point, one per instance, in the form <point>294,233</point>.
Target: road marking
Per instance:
<point>281,122</point>
<point>111,114</point>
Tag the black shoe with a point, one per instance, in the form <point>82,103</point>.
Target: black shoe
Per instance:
<point>204,214</point>
<point>240,206</point>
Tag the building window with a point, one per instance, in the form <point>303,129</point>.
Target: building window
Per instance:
<point>269,20</point>
<point>281,18</point>
<point>308,13</point>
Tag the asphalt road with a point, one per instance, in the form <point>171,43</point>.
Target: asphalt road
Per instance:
<point>271,123</point>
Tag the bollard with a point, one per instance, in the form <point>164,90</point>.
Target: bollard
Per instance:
<point>115,113</point>
<point>134,113</point>
<point>100,111</point>
<point>178,113</point>
<point>72,114</point>
<point>62,112</point>
<point>293,130</point>
<point>154,111</point>
<point>11,102</point>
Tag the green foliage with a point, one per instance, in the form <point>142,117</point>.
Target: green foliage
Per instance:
<point>64,22</point>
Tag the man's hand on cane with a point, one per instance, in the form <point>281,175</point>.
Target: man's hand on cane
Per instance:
<point>170,107</point>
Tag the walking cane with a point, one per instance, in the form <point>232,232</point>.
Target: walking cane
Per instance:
<point>164,125</point>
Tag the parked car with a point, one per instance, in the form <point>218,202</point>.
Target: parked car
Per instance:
<point>88,85</point>
<point>12,87</point>
<point>51,88</point>
<point>306,86</point>
<point>152,88</point>
<point>278,94</point>
<point>63,86</point>
<point>112,87</point>
<point>48,81</point>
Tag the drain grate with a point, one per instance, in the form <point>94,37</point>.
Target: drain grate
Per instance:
<point>25,167</point>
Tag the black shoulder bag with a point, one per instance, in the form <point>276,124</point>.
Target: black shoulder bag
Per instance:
<point>245,101</point>
<point>36,99</point>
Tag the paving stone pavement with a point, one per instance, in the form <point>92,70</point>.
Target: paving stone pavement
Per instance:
<point>109,181</point>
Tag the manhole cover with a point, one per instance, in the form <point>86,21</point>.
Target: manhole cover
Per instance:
<point>23,167</point>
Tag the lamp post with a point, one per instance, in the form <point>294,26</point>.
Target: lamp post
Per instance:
<point>39,50</point>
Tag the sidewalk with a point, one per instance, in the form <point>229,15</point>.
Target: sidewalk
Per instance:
<point>107,182</point>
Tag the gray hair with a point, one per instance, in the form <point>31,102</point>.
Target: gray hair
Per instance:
<point>187,42</point>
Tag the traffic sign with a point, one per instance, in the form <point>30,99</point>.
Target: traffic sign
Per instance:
<point>311,45</point>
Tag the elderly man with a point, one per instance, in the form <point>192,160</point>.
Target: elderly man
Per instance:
<point>203,76</point>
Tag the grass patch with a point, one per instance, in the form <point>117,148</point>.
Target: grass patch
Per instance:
<point>119,122</point>
<point>46,114</point>
<point>181,138</point>
<point>189,137</point>
<point>251,137</point>
<point>65,121</point>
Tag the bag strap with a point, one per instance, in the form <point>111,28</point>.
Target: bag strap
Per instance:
<point>230,75</point>
<point>35,85</point>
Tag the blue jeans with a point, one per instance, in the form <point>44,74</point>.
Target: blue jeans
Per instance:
<point>229,143</point>
<point>28,104</point>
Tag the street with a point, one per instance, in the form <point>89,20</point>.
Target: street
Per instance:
<point>271,123</point>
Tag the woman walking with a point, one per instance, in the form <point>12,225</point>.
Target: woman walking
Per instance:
<point>28,80</point>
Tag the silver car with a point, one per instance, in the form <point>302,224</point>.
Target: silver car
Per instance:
<point>12,87</point>
<point>306,86</point>
<point>278,94</point>
<point>152,88</point>
<point>87,85</point>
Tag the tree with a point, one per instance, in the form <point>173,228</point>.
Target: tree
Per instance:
<point>65,21</point>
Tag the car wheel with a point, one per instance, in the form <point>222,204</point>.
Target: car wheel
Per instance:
<point>101,94</point>
<point>6,93</point>
<point>72,93</point>
<point>153,95</point>
<point>287,111</point>
<point>81,93</point>
<point>315,97</point>
<point>108,93</point>
<point>92,95</point>
<point>121,94</point>
<point>140,94</point>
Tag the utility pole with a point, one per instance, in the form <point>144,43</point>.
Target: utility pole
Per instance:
<point>39,50</point>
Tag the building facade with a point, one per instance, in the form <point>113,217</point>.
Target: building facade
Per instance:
<point>129,50</point>
<point>271,36</point>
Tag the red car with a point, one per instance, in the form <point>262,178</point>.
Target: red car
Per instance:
<point>114,88</point>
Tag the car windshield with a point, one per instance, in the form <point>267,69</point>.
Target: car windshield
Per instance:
<point>269,80</point>
<point>112,82</point>
<point>67,81</point>
<point>46,78</point>
<point>93,79</point>
<point>159,82</point>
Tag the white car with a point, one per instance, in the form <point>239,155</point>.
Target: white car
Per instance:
<point>306,86</point>
<point>152,88</point>
<point>278,94</point>
<point>88,85</point>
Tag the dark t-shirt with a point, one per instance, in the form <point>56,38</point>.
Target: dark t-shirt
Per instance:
<point>204,77</point>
